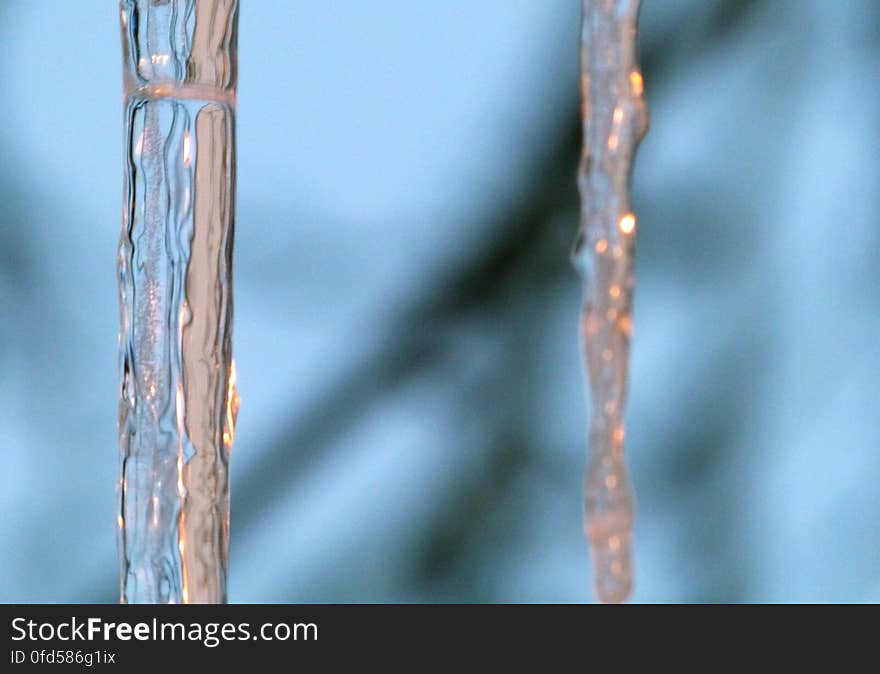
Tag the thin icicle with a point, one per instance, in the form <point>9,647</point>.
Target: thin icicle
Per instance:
<point>614,121</point>
<point>178,400</point>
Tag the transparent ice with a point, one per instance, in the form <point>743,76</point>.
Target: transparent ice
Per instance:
<point>614,121</point>
<point>178,401</point>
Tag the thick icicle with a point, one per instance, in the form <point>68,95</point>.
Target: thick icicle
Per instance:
<point>614,121</point>
<point>178,400</point>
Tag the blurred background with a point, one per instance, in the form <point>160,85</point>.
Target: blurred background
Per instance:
<point>413,411</point>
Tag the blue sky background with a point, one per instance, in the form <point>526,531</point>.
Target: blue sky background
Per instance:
<point>413,414</point>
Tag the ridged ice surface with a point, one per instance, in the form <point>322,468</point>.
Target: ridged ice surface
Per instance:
<point>614,121</point>
<point>178,400</point>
